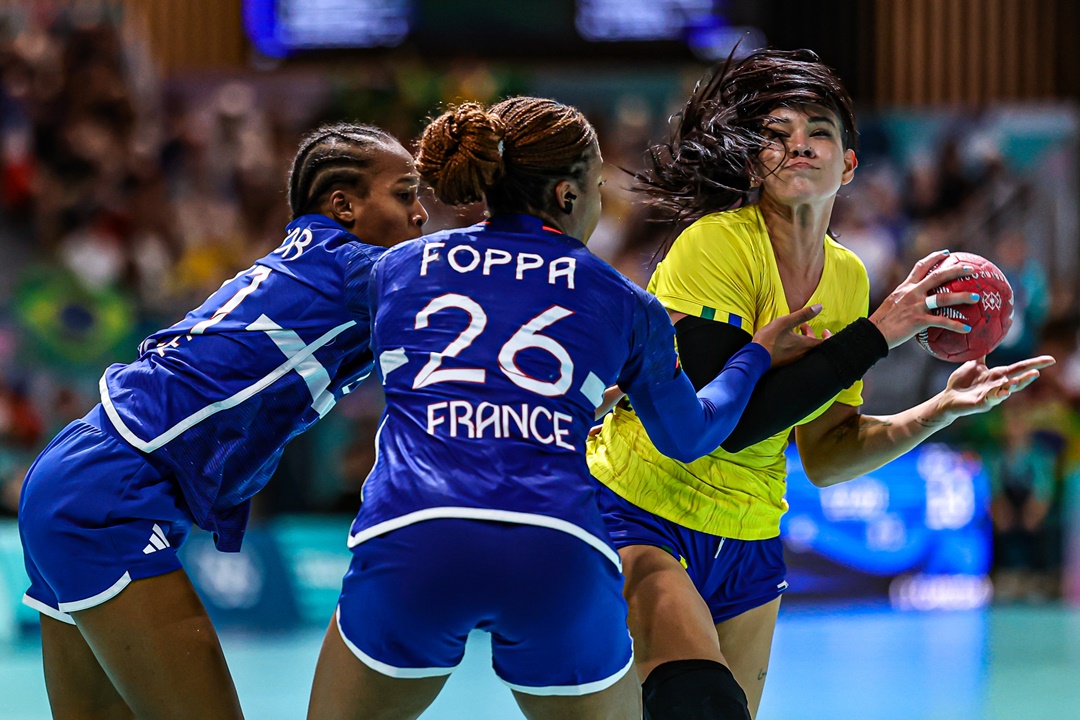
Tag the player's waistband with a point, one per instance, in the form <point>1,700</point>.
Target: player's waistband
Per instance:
<point>488,515</point>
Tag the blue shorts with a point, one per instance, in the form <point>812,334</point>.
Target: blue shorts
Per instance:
<point>733,576</point>
<point>93,516</point>
<point>553,605</point>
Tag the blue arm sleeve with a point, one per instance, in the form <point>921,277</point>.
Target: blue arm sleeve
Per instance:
<point>686,426</point>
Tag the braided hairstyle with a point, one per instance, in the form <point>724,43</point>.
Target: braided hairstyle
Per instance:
<point>709,162</point>
<point>330,158</point>
<point>510,154</point>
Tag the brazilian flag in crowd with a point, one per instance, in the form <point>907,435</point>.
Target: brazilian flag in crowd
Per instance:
<point>70,325</point>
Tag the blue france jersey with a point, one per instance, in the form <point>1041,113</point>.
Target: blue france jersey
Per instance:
<point>495,344</point>
<point>214,399</point>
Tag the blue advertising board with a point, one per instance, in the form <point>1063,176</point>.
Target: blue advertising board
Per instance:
<point>915,532</point>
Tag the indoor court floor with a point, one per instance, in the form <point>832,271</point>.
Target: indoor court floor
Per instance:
<point>1020,663</point>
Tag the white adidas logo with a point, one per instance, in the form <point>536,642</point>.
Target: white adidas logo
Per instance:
<point>158,541</point>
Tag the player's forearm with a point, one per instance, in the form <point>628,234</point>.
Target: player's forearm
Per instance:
<point>864,443</point>
<point>686,426</point>
<point>611,396</point>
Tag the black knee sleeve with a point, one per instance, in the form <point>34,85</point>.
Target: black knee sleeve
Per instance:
<point>693,690</point>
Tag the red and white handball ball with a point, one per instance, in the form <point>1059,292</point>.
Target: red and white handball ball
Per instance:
<point>990,318</point>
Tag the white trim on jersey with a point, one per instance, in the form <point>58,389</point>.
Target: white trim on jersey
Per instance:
<point>375,464</point>
<point>48,610</point>
<point>314,374</point>
<point>149,446</point>
<point>95,600</point>
<point>509,516</point>
<point>389,670</point>
<point>573,690</point>
<point>593,388</point>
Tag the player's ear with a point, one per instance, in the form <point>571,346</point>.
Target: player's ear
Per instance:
<point>850,163</point>
<point>341,207</point>
<point>566,192</point>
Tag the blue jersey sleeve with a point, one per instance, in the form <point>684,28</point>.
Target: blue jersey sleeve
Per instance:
<point>685,426</point>
<point>652,357</point>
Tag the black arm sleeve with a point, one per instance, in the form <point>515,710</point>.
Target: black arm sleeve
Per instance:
<point>786,395</point>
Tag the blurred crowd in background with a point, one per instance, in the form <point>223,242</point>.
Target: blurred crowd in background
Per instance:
<point>126,199</point>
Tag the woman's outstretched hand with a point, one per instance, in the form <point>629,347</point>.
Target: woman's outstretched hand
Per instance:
<point>975,388</point>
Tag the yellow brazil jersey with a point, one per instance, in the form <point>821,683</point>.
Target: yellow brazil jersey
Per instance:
<point>723,268</point>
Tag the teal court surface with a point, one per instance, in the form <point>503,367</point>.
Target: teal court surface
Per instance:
<point>1019,663</point>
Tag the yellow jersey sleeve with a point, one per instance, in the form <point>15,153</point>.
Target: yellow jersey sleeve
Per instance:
<point>711,273</point>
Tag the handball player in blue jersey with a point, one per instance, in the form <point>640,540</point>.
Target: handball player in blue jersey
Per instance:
<point>495,344</point>
<point>187,433</point>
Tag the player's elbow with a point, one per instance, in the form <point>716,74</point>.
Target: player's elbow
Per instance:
<point>670,447</point>
<point>686,453</point>
<point>821,473</point>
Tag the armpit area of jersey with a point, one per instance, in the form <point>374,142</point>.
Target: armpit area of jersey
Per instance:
<point>785,395</point>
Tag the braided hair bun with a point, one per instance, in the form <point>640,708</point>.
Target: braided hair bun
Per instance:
<point>461,153</point>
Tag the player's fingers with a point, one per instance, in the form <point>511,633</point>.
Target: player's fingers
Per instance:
<point>942,276</point>
<point>826,334</point>
<point>801,317</point>
<point>923,266</point>
<point>1035,363</point>
<point>595,430</point>
<point>955,298</point>
<point>1000,391</point>
<point>806,330</point>
<point>940,321</point>
<point>1021,382</point>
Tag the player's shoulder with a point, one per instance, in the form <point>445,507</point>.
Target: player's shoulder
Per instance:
<point>717,234</point>
<point>741,224</point>
<point>314,240</point>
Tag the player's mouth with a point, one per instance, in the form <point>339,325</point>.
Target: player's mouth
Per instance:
<point>800,165</point>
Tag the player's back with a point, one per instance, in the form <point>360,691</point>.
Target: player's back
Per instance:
<point>495,344</point>
<point>214,398</point>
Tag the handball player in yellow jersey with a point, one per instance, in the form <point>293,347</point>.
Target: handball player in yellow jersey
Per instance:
<point>759,155</point>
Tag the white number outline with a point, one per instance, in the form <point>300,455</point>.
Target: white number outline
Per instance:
<point>527,336</point>
<point>258,275</point>
<point>430,373</point>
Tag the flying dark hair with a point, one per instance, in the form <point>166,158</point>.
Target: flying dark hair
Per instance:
<point>510,154</point>
<point>330,158</point>
<point>709,162</point>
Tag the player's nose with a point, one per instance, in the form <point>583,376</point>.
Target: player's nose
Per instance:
<point>421,216</point>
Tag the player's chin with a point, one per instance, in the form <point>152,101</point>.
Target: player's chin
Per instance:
<point>797,190</point>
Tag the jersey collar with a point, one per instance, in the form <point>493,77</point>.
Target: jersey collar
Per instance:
<point>517,223</point>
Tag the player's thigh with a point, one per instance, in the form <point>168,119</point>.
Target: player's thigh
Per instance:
<point>668,618</point>
<point>77,685</point>
<point>621,701</point>
<point>160,650</point>
<point>344,687</point>
<point>746,642</point>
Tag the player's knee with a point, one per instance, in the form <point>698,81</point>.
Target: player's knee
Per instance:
<point>693,690</point>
